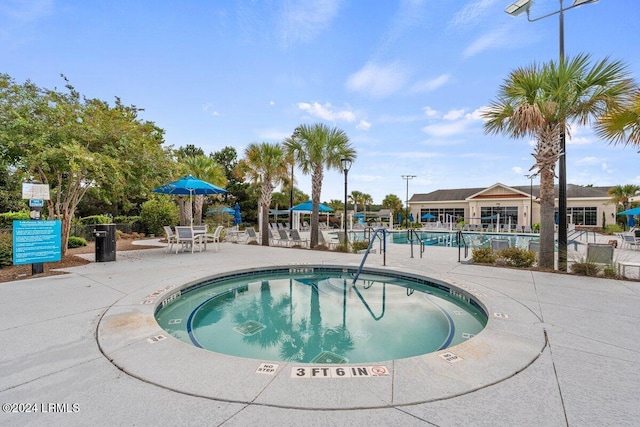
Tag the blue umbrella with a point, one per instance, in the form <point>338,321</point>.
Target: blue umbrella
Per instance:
<point>308,207</point>
<point>399,218</point>
<point>189,185</point>
<point>631,222</point>
<point>632,211</point>
<point>224,210</point>
<point>411,217</point>
<point>237,218</point>
<point>428,216</point>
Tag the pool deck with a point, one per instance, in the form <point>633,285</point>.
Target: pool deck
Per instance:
<point>558,350</point>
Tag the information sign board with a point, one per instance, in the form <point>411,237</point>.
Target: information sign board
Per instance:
<point>35,191</point>
<point>37,241</point>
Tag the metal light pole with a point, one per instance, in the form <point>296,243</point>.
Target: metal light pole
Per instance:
<point>407,178</point>
<point>515,9</point>
<point>346,165</point>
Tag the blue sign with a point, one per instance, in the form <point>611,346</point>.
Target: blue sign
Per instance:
<point>37,241</point>
<point>36,203</point>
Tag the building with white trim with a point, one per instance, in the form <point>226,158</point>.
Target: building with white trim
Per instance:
<point>516,205</point>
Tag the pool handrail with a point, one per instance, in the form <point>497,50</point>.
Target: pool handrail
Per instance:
<point>366,253</point>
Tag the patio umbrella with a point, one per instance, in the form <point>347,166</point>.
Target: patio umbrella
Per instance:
<point>411,217</point>
<point>428,216</point>
<point>189,185</point>
<point>633,211</point>
<point>237,218</point>
<point>308,207</point>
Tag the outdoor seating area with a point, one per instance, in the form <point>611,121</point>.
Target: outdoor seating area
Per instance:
<point>190,238</point>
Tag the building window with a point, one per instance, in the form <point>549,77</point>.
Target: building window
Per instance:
<point>508,214</point>
<point>444,215</point>
<point>584,216</point>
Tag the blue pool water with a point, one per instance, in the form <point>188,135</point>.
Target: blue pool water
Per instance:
<point>316,315</point>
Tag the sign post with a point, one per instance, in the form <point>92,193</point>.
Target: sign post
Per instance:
<point>37,193</point>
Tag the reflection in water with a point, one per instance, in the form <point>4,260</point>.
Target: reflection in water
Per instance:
<point>321,319</point>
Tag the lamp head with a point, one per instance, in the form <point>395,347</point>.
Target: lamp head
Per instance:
<point>346,164</point>
<point>519,7</point>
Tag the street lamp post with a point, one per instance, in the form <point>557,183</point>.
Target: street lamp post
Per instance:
<point>518,8</point>
<point>346,165</point>
<point>407,178</point>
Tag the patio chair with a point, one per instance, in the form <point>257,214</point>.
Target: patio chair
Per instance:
<point>171,237</point>
<point>214,237</point>
<point>251,235</point>
<point>630,241</point>
<point>328,243</point>
<point>297,240</point>
<point>283,237</point>
<point>498,244</point>
<point>186,238</point>
<point>600,253</point>
<point>527,228</point>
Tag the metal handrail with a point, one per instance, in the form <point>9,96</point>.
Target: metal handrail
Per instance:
<point>410,232</point>
<point>384,251</point>
<point>460,238</point>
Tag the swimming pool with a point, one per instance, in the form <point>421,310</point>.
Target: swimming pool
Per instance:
<point>315,314</point>
<point>450,238</point>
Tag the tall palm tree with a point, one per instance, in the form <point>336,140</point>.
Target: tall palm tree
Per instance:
<point>538,100</point>
<point>206,169</point>
<point>366,200</point>
<point>315,147</point>
<point>265,165</point>
<point>622,125</point>
<point>392,202</point>
<point>355,197</point>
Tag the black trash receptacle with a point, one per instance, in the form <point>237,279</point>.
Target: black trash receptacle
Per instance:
<point>105,235</point>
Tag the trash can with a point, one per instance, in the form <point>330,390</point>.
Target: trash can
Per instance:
<point>105,235</point>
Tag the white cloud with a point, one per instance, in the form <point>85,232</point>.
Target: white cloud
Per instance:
<point>432,84</point>
<point>446,129</point>
<point>378,81</point>
<point>430,112</point>
<point>364,125</point>
<point>453,114</point>
<point>327,112</point>
<point>588,161</point>
<point>303,21</point>
<point>500,37</point>
<point>471,13</point>
<point>518,170</point>
<point>272,103</point>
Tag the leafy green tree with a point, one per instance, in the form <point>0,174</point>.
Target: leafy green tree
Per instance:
<point>206,169</point>
<point>158,212</point>
<point>315,147</point>
<point>264,164</point>
<point>392,202</point>
<point>73,144</point>
<point>538,100</point>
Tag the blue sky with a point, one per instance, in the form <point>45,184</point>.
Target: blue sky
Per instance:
<point>405,80</point>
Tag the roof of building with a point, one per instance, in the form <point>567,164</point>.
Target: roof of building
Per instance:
<point>573,191</point>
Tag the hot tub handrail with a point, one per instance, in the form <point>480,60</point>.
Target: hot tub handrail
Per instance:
<point>383,239</point>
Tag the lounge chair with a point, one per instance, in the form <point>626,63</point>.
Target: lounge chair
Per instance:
<point>283,237</point>
<point>186,238</point>
<point>171,237</point>
<point>328,243</point>
<point>251,235</point>
<point>498,244</point>
<point>297,240</point>
<point>630,241</point>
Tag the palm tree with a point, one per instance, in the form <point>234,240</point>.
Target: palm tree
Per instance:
<point>265,165</point>
<point>315,147</point>
<point>538,100</point>
<point>392,202</point>
<point>366,199</point>
<point>620,194</point>
<point>206,169</point>
<point>623,124</point>
<point>355,197</point>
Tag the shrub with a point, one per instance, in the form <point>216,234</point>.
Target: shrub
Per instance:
<point>76,242</point>
<point>610,272</point>
<point>158,212</point>
<point>517,257</point>
<point>95,219</point>
<point>585,268</point>
<point>7,218</point>
<point>483,255</point>
<point>6,250</point>
<point>359,246</point>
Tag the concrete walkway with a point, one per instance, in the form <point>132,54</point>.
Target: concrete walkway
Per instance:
<point>558,350</point>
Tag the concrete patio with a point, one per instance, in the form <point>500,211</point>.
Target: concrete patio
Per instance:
<point>558,350</point>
